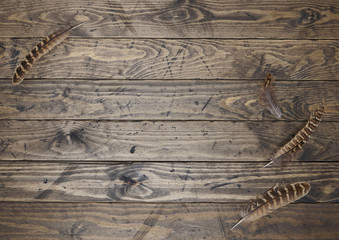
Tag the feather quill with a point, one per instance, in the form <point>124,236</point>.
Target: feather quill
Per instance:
<point>276,197</point>
<point>40,50</point>
<point>268,99</point>
<point>297,142</point>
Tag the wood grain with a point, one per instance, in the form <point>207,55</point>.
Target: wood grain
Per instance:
<point>175,19</point>
<point>160,182</point>
<point>145,123</point>
<point>160,141</point>
<point>165,221</point>
<point>162,100</point>
<point>176,59</point>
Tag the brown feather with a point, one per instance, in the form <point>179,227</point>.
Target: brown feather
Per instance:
<point>40,50</point>
<point>297,142</point>
<point>267,97</point>
<point>276,197</point>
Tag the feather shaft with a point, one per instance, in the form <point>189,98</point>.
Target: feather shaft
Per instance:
<point>273,199</point>
<point>267,97</point>
<point>38,51</point>
<point>297,142</point>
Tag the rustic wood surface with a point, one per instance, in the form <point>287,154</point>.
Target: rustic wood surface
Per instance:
<point>145,122</point>
<point>160,140</point>
<point>161,182</point>
<point>163,221</point>
<point>294,19</point>
<point>101,58</point>
<point>162,100</point>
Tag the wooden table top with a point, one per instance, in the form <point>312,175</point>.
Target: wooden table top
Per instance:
<point>145,123</point>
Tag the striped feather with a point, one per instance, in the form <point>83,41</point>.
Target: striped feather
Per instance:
<point>268,99</point>
<point>40,50</point>
<point>297,142</point>
<point>276,197</point>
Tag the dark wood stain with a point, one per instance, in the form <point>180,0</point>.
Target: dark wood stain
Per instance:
<point>132,149</point>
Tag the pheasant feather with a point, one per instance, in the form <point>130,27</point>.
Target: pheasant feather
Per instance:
<point>276,197</point>
<point>268,99</point>
<point>40,50</point>
<point>297,142</point>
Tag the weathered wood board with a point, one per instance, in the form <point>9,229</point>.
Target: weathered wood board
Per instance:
<point>292,19</point>
<point>160,141</point>
<point>162,100</point>
<point>107,58</point>
<point>210,221</point>
<point>160,182</point>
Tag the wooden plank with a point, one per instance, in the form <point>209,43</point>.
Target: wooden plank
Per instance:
<point>160,141</point>
<point>163,221</point>
<point>160,182</point>
<point>296,19</point>
<point>162,100</point>
<point>177,59</point>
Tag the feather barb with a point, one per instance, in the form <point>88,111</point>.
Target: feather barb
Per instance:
<point>267,97</point>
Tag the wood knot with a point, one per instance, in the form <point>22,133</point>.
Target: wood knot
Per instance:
<point>66,92</point>
<point>69,139</point>
<point>129,184</point>
<point>309,16</point>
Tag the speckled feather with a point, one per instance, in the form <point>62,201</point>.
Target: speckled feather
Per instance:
<point>40,50</point>
<point>297,142</point>
<point>273,199</point>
